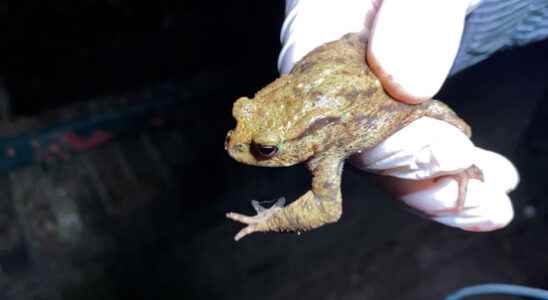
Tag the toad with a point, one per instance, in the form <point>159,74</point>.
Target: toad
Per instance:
<point>329,107</point>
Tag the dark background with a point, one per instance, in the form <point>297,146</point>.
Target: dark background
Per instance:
<point>180,245</point>
<point>56,52</point>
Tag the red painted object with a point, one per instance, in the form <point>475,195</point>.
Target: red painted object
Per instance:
<point>93,140</point>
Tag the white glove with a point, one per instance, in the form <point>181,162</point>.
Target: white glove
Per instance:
<point>412,69</point>
<point>429,148</point>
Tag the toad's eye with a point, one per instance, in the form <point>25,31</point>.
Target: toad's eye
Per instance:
<point>264,151</point>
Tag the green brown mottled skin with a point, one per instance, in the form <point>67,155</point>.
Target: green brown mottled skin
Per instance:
<point>329,107</point>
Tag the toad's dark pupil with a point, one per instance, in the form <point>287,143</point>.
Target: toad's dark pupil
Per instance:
<point>267,151</point>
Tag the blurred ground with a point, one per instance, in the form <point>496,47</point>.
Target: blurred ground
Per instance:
<point>143,217</point>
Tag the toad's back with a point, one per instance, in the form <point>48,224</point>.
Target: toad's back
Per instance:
<point>337,74</point>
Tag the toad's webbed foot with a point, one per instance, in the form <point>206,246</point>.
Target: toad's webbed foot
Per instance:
<point>254,223</point>
<point>462,179</point>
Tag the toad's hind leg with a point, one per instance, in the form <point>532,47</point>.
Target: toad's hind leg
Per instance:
<point>462,179</point>
<point>438,110</point>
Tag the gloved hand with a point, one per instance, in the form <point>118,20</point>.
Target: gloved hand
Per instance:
<point>412,68</point>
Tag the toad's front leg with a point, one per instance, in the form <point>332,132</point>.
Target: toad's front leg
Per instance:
<point>319,206</point>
